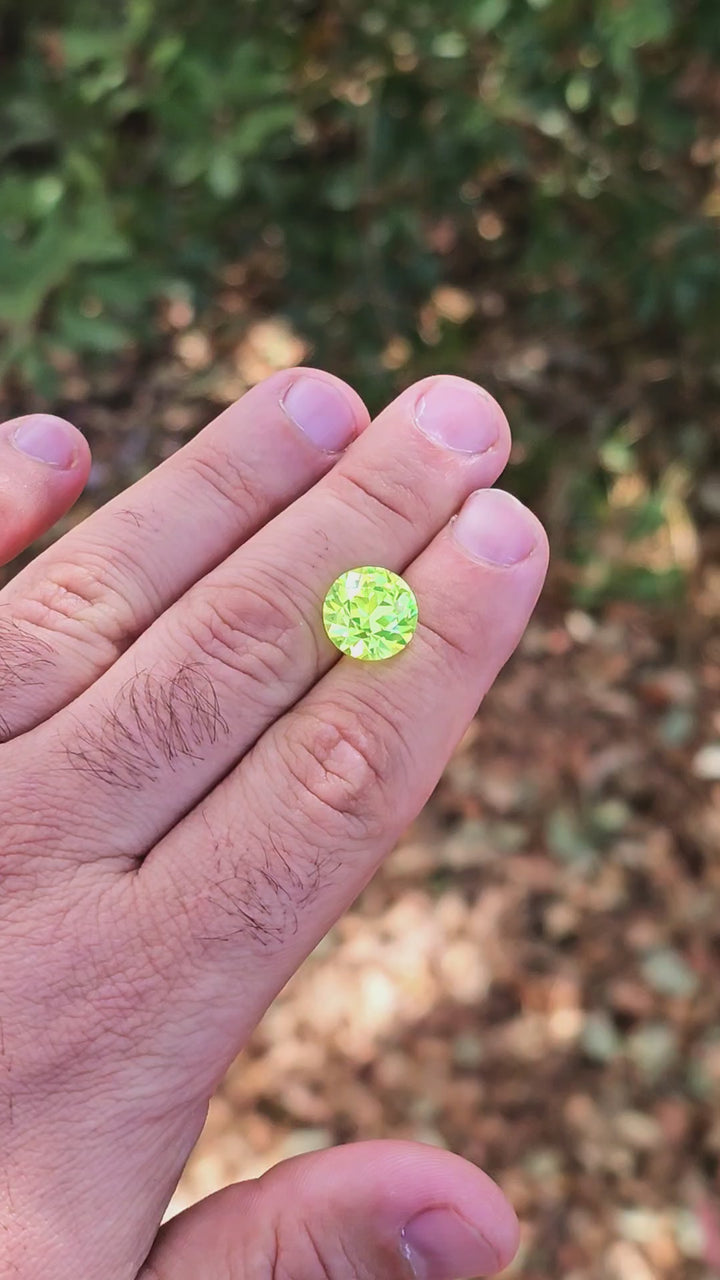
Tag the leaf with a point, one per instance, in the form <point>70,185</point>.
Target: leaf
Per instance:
<point>167,51</point>
<point>566,839</point>
<point>488,14</point>
<point>224,175</point>
<point>600,1039</point>
<point>669,973</point>
<point>98,334</point>
<point>653,1047</point>
<point>706,762</point>
<point>81,47</point>
<point>26,122</point>
<point>251,135</point>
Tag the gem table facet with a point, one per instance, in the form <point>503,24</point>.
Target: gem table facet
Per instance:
<point>370,613</point>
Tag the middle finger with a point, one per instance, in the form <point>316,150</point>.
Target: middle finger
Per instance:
<point>185,703</point>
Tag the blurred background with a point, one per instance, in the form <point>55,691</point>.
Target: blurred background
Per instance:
<point>526,192</point>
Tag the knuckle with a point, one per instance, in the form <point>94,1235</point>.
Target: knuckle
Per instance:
<point>455,646</point>
<point>298,1247</point>
<point>342,769</point>
<point>82,599</point>
<point>248,631</point>
<point>389,494</point>
<point>225,480</point>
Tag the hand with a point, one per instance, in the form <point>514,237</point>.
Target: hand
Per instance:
<point>193,789</point>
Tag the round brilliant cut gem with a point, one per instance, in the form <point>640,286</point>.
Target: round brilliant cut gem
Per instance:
<point>370,613</point>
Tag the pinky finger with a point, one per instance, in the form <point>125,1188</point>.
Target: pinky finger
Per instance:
<point>44,466</point>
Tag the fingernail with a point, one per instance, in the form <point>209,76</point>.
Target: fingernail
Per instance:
<point>440,1245</point>
<point>321,411</point>
<point>47,439</point>
<point>459,416</point>
<point>495,527</point>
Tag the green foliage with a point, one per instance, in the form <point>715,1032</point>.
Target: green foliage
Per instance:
<point>541,149</point>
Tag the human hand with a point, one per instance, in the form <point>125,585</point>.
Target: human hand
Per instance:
<point>193,790</point>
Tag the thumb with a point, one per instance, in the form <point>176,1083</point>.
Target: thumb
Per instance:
<point>390,1209</point>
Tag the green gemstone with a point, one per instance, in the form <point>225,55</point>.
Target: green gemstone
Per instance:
<point>370,613</point>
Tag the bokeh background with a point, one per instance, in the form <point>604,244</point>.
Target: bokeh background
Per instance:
<point>526,192</point>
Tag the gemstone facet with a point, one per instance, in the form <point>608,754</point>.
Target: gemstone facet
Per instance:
<point>370,613</point>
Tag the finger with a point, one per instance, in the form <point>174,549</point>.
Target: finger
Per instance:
<point>195,692</point>
<point>257,874</point>
<point>44,466</point>
<point>391,1209</point>
<point>89,596</point>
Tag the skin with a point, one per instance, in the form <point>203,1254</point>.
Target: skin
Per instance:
<point>194,786</point>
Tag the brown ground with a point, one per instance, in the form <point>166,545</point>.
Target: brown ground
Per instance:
<point>532,979</point>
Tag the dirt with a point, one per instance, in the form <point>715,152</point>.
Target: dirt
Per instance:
<point>532,978</point>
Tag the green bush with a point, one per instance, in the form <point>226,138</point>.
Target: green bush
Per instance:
<point>146,143</point>
<point>553,159</point>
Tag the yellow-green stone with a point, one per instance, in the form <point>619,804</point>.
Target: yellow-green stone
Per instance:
<point>370,613</point>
